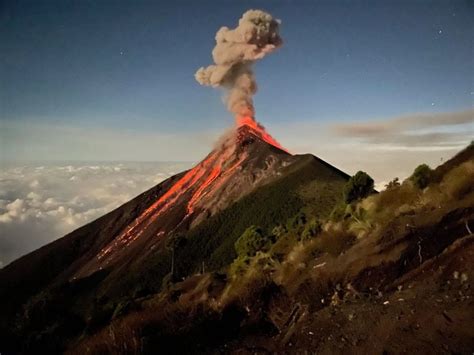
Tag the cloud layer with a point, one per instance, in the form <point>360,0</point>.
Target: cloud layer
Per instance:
<point>438,129</point>
<point>387,148</point>
<point>43,202</point>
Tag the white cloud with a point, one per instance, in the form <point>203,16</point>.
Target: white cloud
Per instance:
<point>41,203</point>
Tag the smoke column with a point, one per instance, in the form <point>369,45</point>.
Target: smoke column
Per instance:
<point>234,54</point>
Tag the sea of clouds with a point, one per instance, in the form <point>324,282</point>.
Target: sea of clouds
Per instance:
<point>42,202</point>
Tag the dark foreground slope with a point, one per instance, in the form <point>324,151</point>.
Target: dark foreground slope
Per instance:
<point>63,292</point>
<point>394,275</point>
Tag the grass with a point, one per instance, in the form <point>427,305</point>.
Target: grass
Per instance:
<point>308,184</point>
<point>306,269</point>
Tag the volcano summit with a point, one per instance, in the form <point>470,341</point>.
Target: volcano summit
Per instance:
<point>247,179</point>
<point>246,158</point>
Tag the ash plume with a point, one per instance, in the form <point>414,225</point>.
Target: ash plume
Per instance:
<point>234,54</point>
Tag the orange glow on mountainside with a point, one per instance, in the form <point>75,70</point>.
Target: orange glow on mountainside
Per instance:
<point>197,195</point>
<point>259,131</point>
<point>161,205</point>
<point>202,180</point>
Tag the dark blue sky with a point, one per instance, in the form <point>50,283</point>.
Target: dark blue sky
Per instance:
<point>130,64</point>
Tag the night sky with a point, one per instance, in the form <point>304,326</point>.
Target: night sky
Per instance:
<point>125,69</point>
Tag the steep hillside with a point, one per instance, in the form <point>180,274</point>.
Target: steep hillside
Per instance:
<point>75,285</point>
<point>393,275</point>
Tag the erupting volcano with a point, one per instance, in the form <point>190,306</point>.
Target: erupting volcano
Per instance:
<point>253,249</point>
<point>258,130</point>
<point>246,158</point>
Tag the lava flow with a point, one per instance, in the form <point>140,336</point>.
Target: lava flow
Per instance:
<point>140,224</point>
<point>258,130</point>
<point>205,179</point>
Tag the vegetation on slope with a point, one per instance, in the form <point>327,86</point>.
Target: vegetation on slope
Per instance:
<point>210,245</point>
<point>400,259</point>
<point>70,308</point>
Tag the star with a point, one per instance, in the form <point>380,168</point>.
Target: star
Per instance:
<point>440,31</point>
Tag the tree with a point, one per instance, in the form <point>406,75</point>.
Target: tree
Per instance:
<point>422,176</point>
<point>359,186</point>
<point>392,184</point>
<point>251,241</point>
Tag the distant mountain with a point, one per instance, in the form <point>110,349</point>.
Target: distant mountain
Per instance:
<point>74,284</point>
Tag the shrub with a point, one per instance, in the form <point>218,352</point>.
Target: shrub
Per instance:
<point>422,176</point>
<point>392,184</point>
<point>359,186</point>
<point>360,222</point>
<point>239,266</point>
<point>384,206</point>
<point>458,182</point>
<point>339,212</point>
<point>278,231</point>
<point>251,241</point>
<point>297,221</point>
<point>334,242</point>
<point>311,229</point>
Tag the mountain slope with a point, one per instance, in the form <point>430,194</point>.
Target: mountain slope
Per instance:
<point>248,179</point>
<point>241,162</point>
<point>392,276</point>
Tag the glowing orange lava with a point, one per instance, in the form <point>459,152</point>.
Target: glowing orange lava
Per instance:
<point>259,130</point>
<point>132,232</point>
<point>197,195</point>
<point>211,173</point>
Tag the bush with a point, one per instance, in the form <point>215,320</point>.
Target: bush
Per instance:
<point>239,266</point>
<point>278,231</point>
<point>312,229</point>
<point>339,212</point>
<point>422,176</point>
<point>251,241</point>
<point>359,186</point>
<point>392,184</point>
<point>334,242</point>
<point>360,223</point>
<point>458,182</point>
<point>297,221</point>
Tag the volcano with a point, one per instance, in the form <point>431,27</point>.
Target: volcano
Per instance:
<point>248,173</point>
<point>173,246</point>
<point>244,159</point>
<point>248,179</point>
